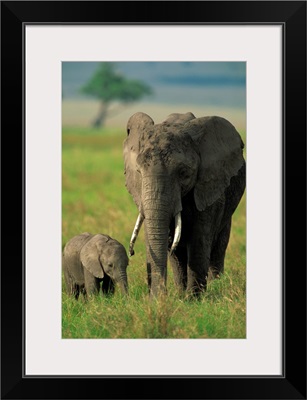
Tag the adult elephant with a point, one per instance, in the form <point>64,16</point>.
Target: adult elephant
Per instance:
<point>186,176</point>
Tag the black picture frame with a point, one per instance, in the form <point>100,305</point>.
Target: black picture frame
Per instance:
<point>292,16</point>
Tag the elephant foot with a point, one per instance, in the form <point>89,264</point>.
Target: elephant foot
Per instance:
<point>196,290</point>
<point>214,273</point>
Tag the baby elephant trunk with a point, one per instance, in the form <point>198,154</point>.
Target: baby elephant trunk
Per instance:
<point>122,282</point>
<point>124,286</point>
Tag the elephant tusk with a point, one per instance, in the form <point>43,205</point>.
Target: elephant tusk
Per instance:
<point>177,235</point>
<point>135,233</point>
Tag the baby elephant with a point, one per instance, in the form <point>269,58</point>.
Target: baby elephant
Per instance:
<point>89,260</point>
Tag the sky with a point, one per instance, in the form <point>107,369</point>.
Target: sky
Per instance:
<point>220,84</point>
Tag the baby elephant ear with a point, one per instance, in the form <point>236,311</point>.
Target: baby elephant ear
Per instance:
<point>90,258</point>
<point>221,152</point>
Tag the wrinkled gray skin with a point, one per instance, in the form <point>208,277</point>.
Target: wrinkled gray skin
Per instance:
<point>192,166</point>
<point>89,260</point>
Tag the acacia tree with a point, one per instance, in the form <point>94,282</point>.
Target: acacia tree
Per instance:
<point>109,86</point>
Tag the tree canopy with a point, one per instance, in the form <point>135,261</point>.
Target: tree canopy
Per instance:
<point>108,85</point>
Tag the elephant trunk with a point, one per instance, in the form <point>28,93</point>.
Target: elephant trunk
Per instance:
<point>158,212</point>
<point>122,283</point>
<point>138,224</point>
<point>156,236</point>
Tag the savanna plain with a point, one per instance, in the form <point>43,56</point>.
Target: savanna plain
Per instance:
<point>95,199</point>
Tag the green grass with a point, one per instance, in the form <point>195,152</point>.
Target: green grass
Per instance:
<point>95,199</point>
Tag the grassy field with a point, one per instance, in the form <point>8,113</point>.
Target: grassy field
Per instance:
<point>95,199</point>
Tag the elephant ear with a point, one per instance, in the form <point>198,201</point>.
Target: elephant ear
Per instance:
<point>90,257</point>
<point>138,127</point>
<point>221,152</point>
<point>177,118</point>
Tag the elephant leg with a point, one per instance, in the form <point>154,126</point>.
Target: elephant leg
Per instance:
<point>197,270</point>
<point>149,276</point>
<point>178,261</point>
<point>199,249</point>
<point>76,291</point>
<point>82,290</point>
<point>68,282</point>
<point>72,289</point>
<point>219,250</point>
<point>107,285</point>
<point>92,284</point>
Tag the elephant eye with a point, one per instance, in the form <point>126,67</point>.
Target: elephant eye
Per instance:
<point>184,173</point>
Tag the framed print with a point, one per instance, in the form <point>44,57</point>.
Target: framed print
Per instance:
<point>80,81</point>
